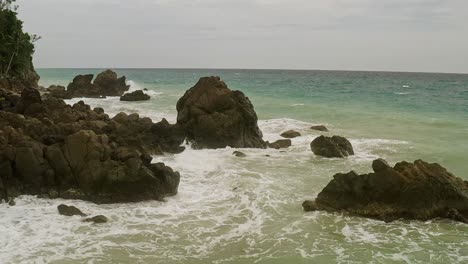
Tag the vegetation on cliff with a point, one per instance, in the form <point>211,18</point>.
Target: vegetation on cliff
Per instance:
<point>16,46</point>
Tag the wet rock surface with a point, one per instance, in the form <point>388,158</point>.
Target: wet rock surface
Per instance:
<point>213,116</point>
<point>137,95</point>
<point>418,190</point>
<point>332,147</point>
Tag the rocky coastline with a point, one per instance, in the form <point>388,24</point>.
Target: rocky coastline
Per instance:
<point>54,150</point>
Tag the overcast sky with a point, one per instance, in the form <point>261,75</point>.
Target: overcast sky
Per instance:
<point>394,35</point>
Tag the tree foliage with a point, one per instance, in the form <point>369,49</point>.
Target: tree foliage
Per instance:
<point>16,46</point>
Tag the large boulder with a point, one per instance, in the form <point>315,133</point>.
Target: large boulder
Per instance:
<point>111,85</point>
<point>214,116</point>
<point>332,147</point>
<point>137,95</point>
<point>418,190</point>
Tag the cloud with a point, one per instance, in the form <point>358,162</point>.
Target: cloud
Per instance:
<point>245,33</point>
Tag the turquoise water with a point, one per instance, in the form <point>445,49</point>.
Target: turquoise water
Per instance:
<point>248,210</point>
<point>429,110</point>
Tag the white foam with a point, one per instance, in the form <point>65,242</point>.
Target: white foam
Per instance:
<point>228,209</point>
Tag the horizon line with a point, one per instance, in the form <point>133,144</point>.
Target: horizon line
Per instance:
<point>250,69</point>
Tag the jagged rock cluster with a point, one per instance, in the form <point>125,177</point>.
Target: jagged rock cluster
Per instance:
<point>105,84</point>
<point>418,190</point>
<point>52,149</point>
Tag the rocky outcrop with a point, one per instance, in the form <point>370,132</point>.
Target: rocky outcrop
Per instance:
<point>290,134</point>
<point>213,116</point>
<point>110,85</point>
<point>418,190</point>
<point>279,144</point>
<point>51,149</point>
<point>82,86</point>
<point>105,84</point>
<point>320,128</point>
<point>332,147</point>
<point>137,95</point>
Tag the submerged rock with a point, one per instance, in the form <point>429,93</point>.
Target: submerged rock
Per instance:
<point>279,144</point>
<point>98,219</point>
<point>418,190</point>
<point>137,95</point>
<point>239,154</point>
<point>332,147</point>
<point>320,128</point>
<point>213,116</point>
<point>69,210</point>
<point>290,134</point>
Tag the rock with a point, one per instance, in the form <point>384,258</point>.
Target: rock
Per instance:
<point>111,85</point>
<point>281,143</point>
<point>380,165</point>
<point>69,210</point>
<point>11,202</point>
<point>213,116</point>
<point>105,84</point>
<point>319,128</point>
<point>81,86</point>
<point>145,89</point>
<point>239,154</point>
<point>73,152</point>
<point>58,91</point>
<point>332,147</point>
<point>418,190</point>
<point>137,95</point>
<point>29,97</point>
<point>169,137</point>
<point>99,219</point>
<point>290,134</point>
<point>309,206</point>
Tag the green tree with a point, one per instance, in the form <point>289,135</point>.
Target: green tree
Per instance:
<point>16,46</point>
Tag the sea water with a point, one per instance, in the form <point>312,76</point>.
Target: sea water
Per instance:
<point>248,210</point>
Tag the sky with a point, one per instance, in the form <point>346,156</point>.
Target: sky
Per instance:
<point>388,35</point>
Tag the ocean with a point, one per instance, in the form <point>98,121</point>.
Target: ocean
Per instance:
<point>248,210</point>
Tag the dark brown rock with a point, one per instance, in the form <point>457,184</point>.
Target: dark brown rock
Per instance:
<point>279,144</point>
<point>99,219</point>
<point>110,85</point>
<point>81,86</point>
<point>418,190</point>
<point>319,128</point>
<point>69,210</point>
<point>58,91</point>
<point>137,95</point>
<point>239,154</point>
<point>29,97</point>
<point>214,116</point>
<point>290,134</point>
<point>332,147</point>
